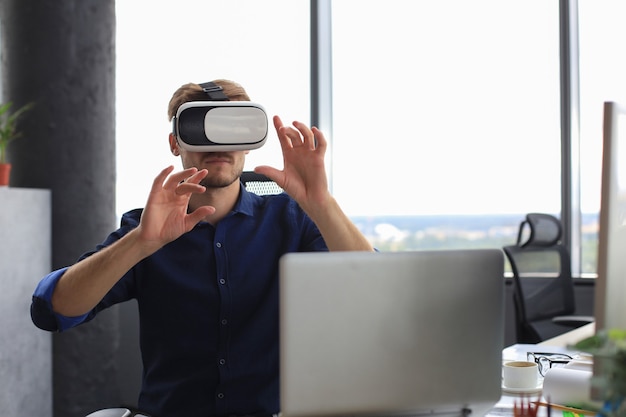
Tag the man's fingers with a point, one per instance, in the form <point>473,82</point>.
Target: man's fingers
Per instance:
<point>160,179</point>
<point>277,123</point>
<point>200,213</point>
<point>198,176</point>
<point>320,140</point>
<point>308,138</point>
<point>188,187</point>
<point>189,175</point>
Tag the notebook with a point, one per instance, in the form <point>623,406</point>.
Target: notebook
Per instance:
<point>386,334</point>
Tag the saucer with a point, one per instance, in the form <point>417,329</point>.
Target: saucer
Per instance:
<point>534,390</point>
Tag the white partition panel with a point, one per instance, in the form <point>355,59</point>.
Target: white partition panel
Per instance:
<point>25,256</point>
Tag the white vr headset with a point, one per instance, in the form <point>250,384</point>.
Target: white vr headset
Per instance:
<point>219,125</point>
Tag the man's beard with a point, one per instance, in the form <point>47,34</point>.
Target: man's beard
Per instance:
<point>221,181</point>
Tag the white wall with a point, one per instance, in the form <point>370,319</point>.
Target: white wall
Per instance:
<point>25,257</point>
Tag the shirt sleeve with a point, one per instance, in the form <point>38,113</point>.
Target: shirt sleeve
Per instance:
<point>312,238</point>
<point>41,311</point>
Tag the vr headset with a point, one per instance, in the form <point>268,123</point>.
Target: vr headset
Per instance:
<point>219,125</point>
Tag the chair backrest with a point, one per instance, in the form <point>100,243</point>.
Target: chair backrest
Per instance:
<point>543,286</point>
<point>543,230</point>
<point>259,184</point>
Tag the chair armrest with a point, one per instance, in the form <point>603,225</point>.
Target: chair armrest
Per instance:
<point>573,320</point>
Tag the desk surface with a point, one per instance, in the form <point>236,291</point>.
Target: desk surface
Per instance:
<point>504,407</point>
<point>571,337</point>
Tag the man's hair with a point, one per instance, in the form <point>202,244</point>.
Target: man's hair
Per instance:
<point>193,92</point>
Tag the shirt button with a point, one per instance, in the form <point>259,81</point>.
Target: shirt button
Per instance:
<point>218,244</point>
<point>222,281</point>
<point>224,322</point>
<point>222,361</point>
<point>220,395</point>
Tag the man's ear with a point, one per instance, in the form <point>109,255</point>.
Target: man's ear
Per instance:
<point>174,145</point>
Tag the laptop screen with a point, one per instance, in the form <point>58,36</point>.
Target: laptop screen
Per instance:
<point>394,333</point>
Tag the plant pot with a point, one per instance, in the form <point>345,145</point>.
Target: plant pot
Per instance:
<point>5,171</point>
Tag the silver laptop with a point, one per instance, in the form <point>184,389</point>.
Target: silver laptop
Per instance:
<point>386,334</point>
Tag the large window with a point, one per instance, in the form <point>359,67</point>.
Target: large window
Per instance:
<point>602,78</point>
<point>446,113</point>
<point>446,118</point>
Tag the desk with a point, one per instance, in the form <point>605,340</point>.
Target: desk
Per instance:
<point>571,337</point>
<point>558,344</point>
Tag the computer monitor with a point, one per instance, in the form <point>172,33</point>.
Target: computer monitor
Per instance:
<point>610,289</point>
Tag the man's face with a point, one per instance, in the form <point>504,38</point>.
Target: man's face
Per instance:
<point>224,167</point>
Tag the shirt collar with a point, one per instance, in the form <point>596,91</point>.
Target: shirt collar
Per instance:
<point>245,202</point>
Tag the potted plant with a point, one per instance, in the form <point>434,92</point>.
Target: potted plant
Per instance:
<point>608,348</point>
<point>8,133</point>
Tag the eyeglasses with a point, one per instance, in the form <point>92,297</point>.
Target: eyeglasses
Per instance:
<point>545,360</point>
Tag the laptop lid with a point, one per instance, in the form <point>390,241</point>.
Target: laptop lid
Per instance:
<point>394,333</point>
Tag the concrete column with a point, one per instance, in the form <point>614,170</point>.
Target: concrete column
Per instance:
<point>61,55</point>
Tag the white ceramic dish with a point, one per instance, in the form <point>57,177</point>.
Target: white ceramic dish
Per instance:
<point>534,390</point>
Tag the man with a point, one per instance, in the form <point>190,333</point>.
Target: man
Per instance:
<point>202,261</point>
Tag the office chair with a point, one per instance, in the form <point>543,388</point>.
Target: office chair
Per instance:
<point>259,184</point>
<point>543,292</point>
<point>115,412</point>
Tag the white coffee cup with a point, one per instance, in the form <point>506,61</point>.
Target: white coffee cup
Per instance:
<point>520,374</point>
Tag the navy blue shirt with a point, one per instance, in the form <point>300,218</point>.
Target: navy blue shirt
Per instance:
<point>208,308</point>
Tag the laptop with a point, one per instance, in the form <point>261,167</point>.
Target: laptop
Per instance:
<point>391,334</point>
